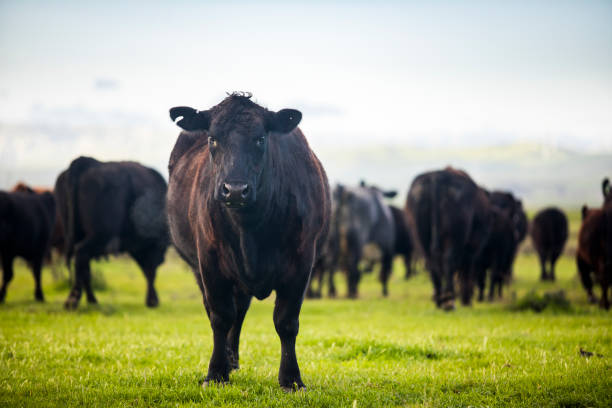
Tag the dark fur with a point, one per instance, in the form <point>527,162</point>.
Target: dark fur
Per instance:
<point>57,236</point>
<point>26,224</point>
<point>251,246</point>
<point>364,218</point>
<point>591,255</point>
<point>111,208</point>
<point>508,229</point>
<point>403,240</point>
<point>549,231</point>
<point>451,220</point>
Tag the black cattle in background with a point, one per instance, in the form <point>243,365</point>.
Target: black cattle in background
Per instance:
<point>450,215</point>
<point>57,236</point>
<point>508,229</point>
<point>328,257</point>
<point>364,219</point>
<point>549,231</point>
<point>403,240</point>
<point>111,208</point>
<point>248,209</point>
<point>26,225</point>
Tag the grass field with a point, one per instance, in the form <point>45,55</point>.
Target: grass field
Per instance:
<point>398,351</point>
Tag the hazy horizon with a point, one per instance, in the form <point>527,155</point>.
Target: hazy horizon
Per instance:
<point>82,78</point>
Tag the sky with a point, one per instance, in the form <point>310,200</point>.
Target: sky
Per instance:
<point>98,78</point>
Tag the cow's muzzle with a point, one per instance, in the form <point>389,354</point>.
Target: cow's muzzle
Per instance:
<point>236,195</point>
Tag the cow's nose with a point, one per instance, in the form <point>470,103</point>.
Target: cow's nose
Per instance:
<point>235,192</point>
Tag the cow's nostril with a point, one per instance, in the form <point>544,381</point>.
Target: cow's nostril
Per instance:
<point>245,191</point>
<point>225,190</point>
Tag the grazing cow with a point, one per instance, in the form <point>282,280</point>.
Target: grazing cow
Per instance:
<point>591,254</point>
<point>549,231</point>
<point>451,219</point>
<point>248,209</point>
<point>110,208</point>
<point>364,218</point>
<point>57,236</point>
<point>26,223</point>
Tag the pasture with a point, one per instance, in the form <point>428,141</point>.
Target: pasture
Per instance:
<point>399,351</point>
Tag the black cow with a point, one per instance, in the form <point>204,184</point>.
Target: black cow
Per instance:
<point>450,214</point>
<point>26,224</point>
<point>508,229</point>
<point>248,207</point>
<point>549,231</point>
<point>403,240</point>
<point>328,258</point>
<point>364,218</point>
<point>110,208</point>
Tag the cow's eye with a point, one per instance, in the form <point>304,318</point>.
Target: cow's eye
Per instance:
<point>212,142</point>
<point>260,141</point>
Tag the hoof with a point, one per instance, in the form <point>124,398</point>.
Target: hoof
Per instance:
<point>71,303</point>
<point>152,303</point>
<point>295,387</point>
<point>448,305</point>
<point>212,383</point>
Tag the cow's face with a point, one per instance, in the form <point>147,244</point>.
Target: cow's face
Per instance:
<point>239,133</point>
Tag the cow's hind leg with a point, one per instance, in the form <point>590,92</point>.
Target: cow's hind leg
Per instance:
<point>82,257</point>
<point>449,266</point>
<point>149,269</point>
<point>353,276</point>
<point>553,261</point>
<point>330,279</point>
<point>385,272</point>
<point>543,274</point>
<point>7,274</point>
<point>36,272</point>
<point>584,271</point>
<point>604,303</point>
<point>242,302</point>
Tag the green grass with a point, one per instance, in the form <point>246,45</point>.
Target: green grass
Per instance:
<point>398,351</point>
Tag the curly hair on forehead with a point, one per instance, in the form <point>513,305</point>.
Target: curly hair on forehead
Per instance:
<point>237,108</point>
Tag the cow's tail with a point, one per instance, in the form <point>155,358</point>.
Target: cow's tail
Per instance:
<point>76,169</point>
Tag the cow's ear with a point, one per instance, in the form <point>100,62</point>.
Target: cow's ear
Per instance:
<point>190,119</point>
<point>605,187</point>
<point>284,121</point>
<point>585,210</point>
<point>390,194</point>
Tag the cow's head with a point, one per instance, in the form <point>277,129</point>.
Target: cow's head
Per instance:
<point>239,132</point>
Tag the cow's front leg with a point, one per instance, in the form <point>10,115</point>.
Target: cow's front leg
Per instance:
<point>222,313</point>
<point>286,321</point>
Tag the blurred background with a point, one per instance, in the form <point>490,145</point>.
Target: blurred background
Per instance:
<point>517,93</point>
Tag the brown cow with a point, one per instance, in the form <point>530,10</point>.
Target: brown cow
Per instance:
<point>591,254</point>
